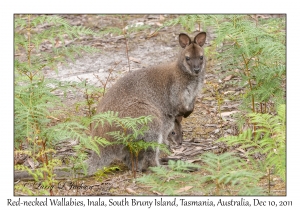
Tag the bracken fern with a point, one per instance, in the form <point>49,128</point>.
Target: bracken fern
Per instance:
<point>268,139</point>
<point>169,180</point>
<point>228,174</point>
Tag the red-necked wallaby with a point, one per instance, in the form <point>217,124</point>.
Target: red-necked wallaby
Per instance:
<point>163,91</point>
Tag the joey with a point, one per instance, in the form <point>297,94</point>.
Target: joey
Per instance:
<point>175,136</point>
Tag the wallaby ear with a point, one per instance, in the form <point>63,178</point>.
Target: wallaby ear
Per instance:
<point>200,39</point>
<point>184,40</point>
<point>179,119</point>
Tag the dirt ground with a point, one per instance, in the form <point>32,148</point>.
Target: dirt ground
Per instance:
<point>205,125</point>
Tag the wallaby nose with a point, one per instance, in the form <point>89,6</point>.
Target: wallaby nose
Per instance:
<point>179,142</point>
<point>196,70</point>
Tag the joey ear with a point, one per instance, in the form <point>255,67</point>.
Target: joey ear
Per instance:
<point>184,40</point>
<point>179,119</point>
<point>200,39</point>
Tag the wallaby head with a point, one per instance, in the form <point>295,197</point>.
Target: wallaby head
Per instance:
<point>191,59</point>
<point>175,135</point>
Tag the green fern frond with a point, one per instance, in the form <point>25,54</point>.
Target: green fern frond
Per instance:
<point>227,169</point>
<point>268,139</point>
<point>169,180</point>
<point>100,174</point>
<point>182,166</point>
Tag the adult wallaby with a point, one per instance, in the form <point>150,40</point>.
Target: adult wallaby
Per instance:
<point>164,92</point>
<point>175,136</point>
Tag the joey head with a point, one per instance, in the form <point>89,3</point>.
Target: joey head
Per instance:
<point>163,91</point>
<point>175,136</point>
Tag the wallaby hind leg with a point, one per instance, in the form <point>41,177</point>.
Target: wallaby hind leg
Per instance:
<point>148,158</point>
<point>158,132</point>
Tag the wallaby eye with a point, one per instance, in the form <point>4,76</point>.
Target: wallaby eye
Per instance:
<point>173,133</point>
<point>201,57</point>
<point>187,58</point>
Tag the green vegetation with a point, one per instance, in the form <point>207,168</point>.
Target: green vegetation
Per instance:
<point>268,140</point>
<point>229,175</point>
<point>36,107</point>
<point>169,180</point>
<point>225,174</point>
<point>102,173</point>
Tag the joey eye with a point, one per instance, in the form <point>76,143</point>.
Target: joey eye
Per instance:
<point>187,58</point>
<point>173,133</point>
<point>201,57</point>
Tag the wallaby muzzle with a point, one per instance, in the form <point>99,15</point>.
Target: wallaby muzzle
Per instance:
<point>196,65</point>
<point>197,70</point>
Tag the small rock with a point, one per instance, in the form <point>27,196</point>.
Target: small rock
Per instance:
<point>217,131</point>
